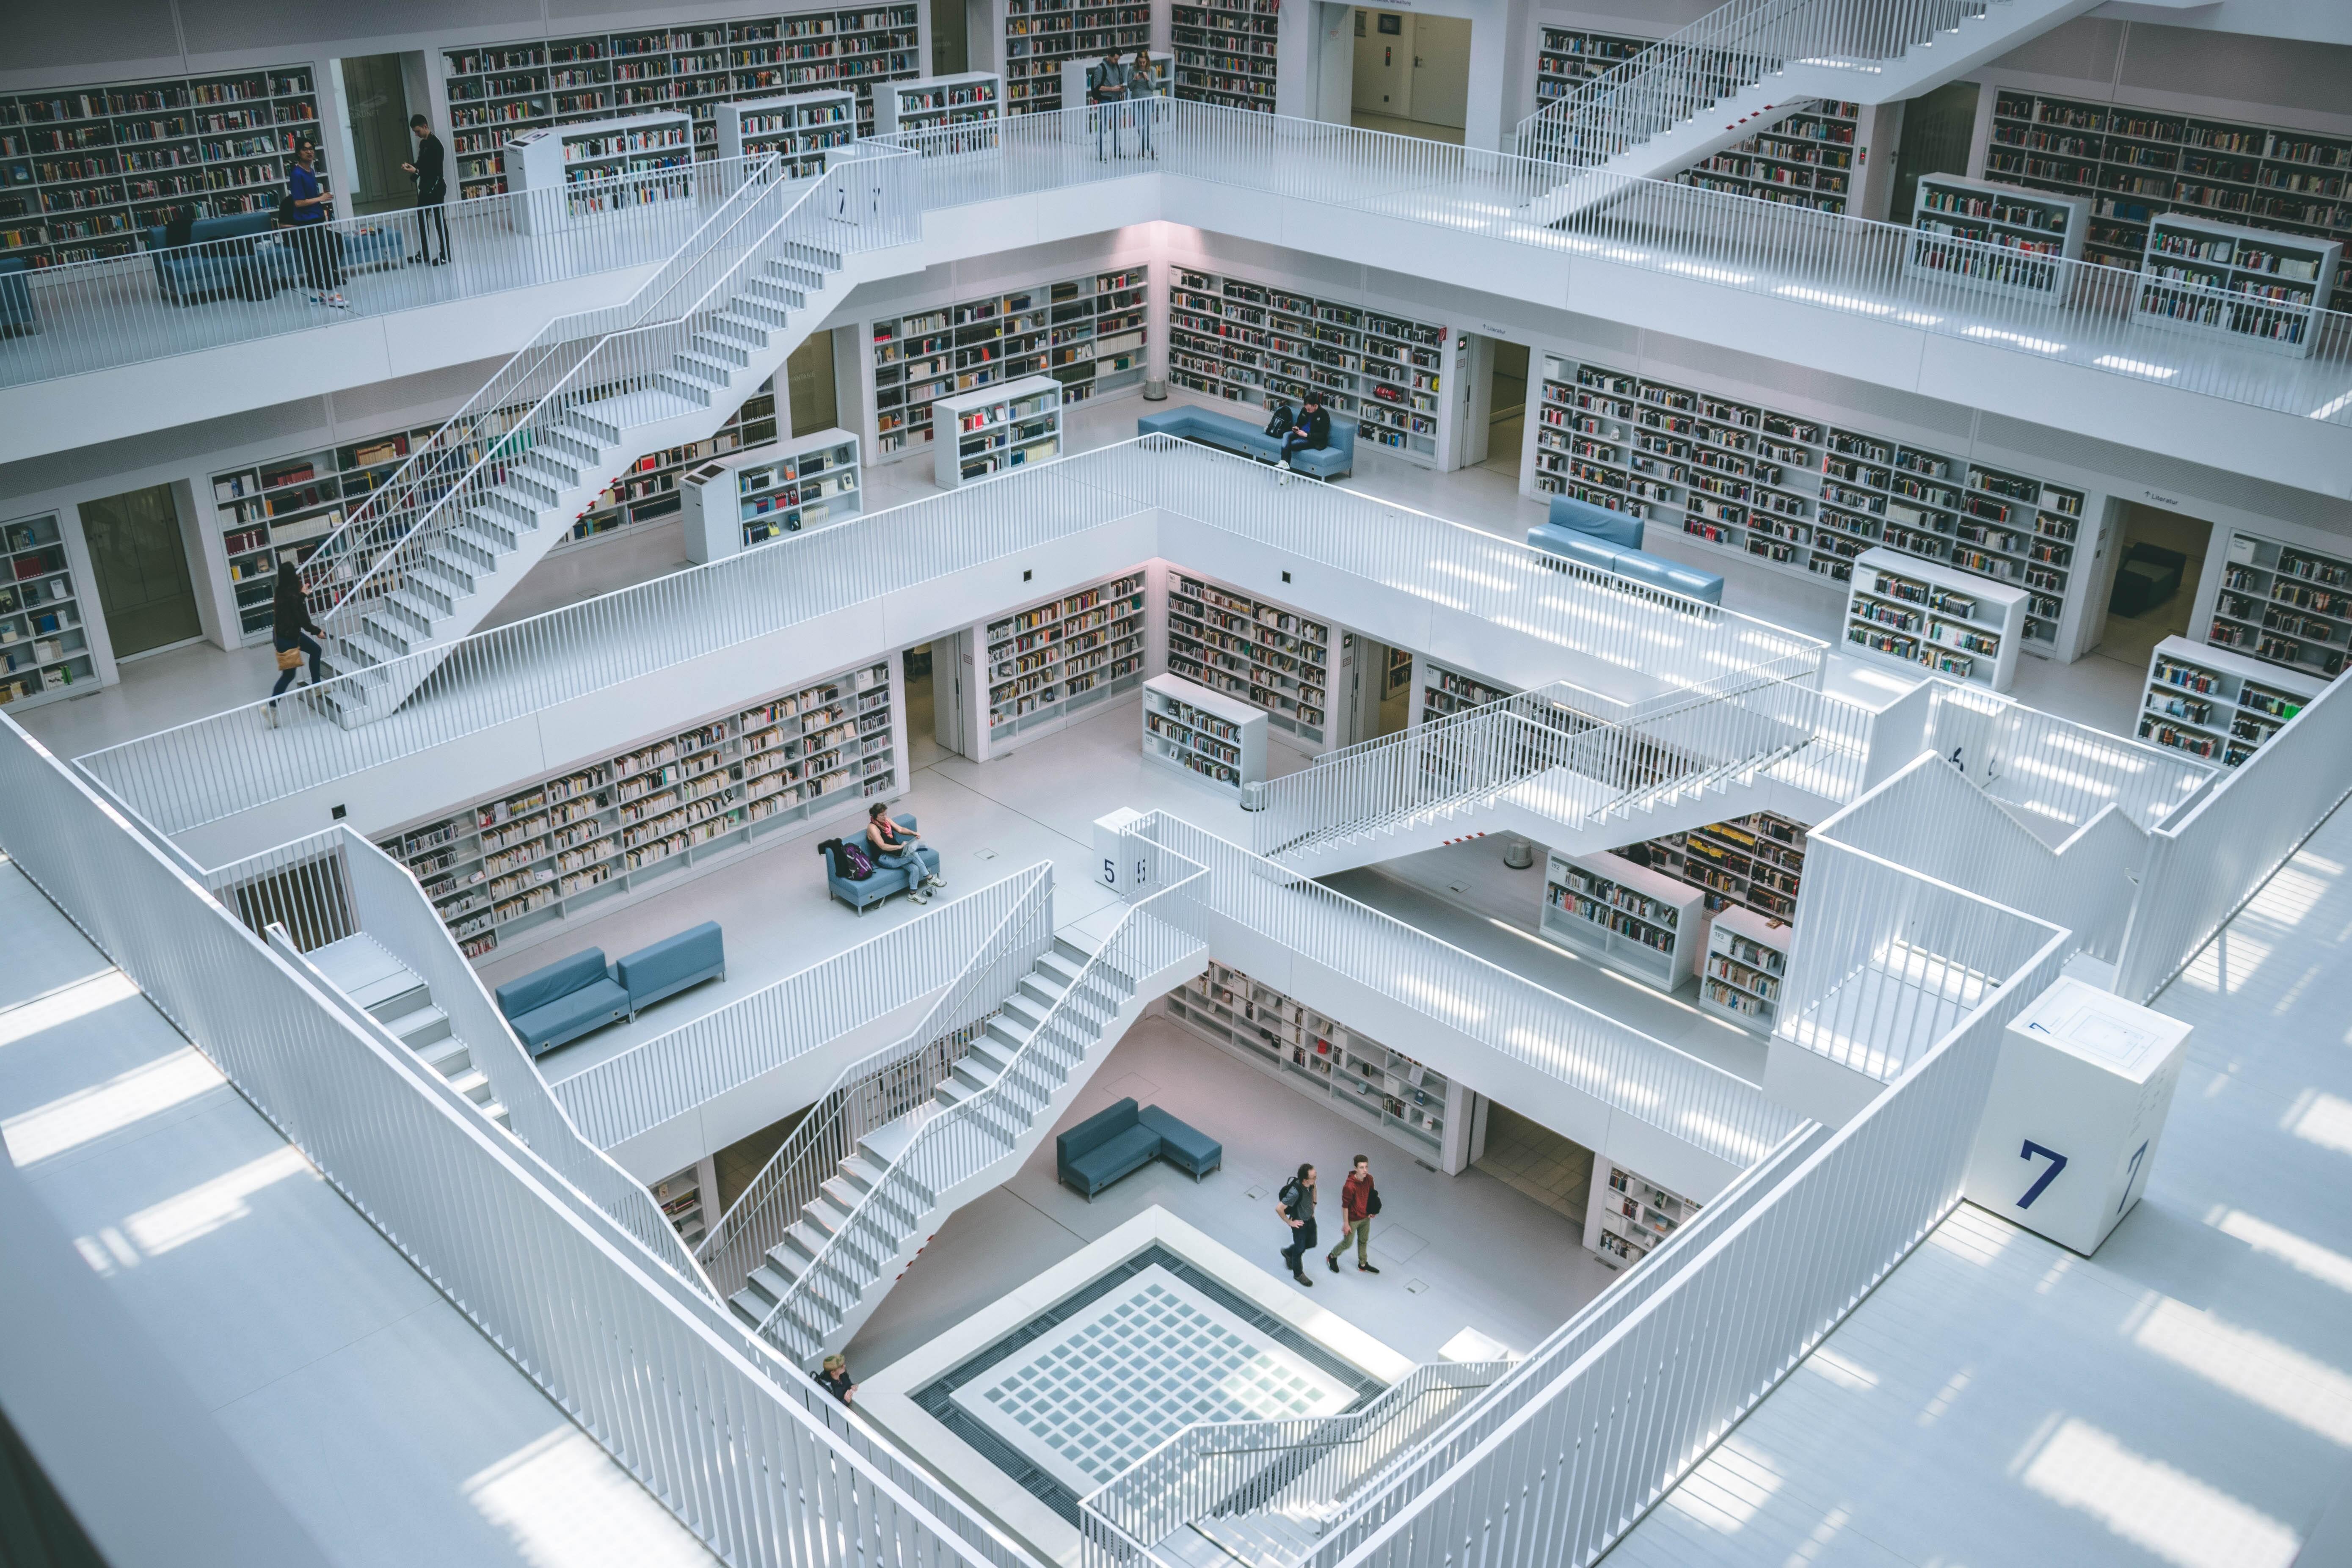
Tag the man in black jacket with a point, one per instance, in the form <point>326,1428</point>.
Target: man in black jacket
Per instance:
<point>432,172</point>
<point>1313,430</point>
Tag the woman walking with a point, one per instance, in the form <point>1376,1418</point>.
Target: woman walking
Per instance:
<point>290,630</point>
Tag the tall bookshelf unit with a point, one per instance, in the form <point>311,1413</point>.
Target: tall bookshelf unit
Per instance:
<point>1568,56</point>
<point>1062,657</point>
<point>688,1199</point>
<point>2284,604</point>
<point>1633,918</point>
<point>1806,160</point>
<point>2243,284</point>
<point>1248,341</point>
<point>1446,692</point>
<point>1795,494</point>
<point>44,649</point>
<point>1386,1092</point>
<point>1630,1214</point>
<point>800,128</point>
<point>293,502</point>
<point>83,171</point>
<point>1227,51</point>
<point>1087,333</point>
<point>1267,654</point>
<point>1755,862</point>
<point>495,90</point>
<point>1040,35</point>
<point>619,826</point>
<point>977,435</point>
<point>2133,163</point>
<point>736,502</point>
<point>2216,704</point>
<point>1935,619</point>
<point>970,103</point>
<point>1992,236</point>
<point>1203,735</point>
<point>1747,965</point>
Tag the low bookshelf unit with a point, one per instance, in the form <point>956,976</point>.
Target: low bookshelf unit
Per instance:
<point>1214,739</point>
<point>1629,917</point>
<point>1922,615</point>
<point>2216,704</point>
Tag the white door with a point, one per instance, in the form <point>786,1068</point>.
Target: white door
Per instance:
<point>1336,64</point>
<point>1384,63</point>
<point>1440,70</point>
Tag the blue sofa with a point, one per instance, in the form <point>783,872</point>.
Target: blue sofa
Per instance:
<point>860,895</point>
<point>211,266</point>
<point>1116,1142</point>
<point>573,996</point>
<point>1223,431</point>
<point>16,298</point>
<point>1611,542</point>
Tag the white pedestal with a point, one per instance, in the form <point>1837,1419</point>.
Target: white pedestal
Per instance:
<point>1114,874</point>
<point>2078,1103</point>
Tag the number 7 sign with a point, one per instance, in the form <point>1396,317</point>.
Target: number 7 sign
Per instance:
<point>2041,1183</point>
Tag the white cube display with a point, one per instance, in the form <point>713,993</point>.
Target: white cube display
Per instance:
<point>2077,1107</point>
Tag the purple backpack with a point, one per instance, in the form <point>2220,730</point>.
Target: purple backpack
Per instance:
<point>855,863</point>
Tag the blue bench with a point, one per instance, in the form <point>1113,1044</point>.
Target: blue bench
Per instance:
<point>255,269</point>
<point>551,1007</point>
<point>1228,433</point>
<point>15,299</point>
<point>860,893</point>
<point>1118,1141</point>
<point>1611,542</point>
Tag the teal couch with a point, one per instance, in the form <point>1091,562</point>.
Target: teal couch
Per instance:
<point>551,1007</point>
<point>1611,542</point>
<point>1123,1140</point>
<point>241,254</point>
<point>1335,461</point>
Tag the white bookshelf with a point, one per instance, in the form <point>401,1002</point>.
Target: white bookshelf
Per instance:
<point>977,434</point>
<point>1925,616</point>
<point>1807,160</point>
<point>2284,604</point>
<point>1792,494</point>
<point>578,159</point>
<point>1747,965</point>
<point>798,128</point>
<point>1629,917</point>
<point>1266,654</point>
<point>1388,1093</point>
<point>1754,862</point>
<point>1993,235</point>
<point>1567,57</point>
<point>1254,343</point>
<point>44,649</point>
<point>736,502</point>
<point>567,845</point>
<point>1062,656</point>
<point>2252,286</point>
<point>1043,37</point>
<point>1445,691</point>
<point>1227,51</point>
<point>1630,1214</point>
<point>689,1199</point>
<point>1207,737</point>
<point>2216,704</point>
<point>969,103</point>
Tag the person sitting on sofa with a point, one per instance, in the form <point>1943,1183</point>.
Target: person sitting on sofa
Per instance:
<point>893,845</point>
<point>1313,431</point>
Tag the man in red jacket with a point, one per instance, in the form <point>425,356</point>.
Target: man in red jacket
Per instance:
<point>1358,1202</point>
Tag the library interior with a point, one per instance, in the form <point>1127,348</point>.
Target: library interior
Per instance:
<point>1038,783</point>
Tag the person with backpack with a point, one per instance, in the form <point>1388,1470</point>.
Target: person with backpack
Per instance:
<point>1358,1202</point>
<point>1106,92</point>
<point>1295,1206</point>
<point>893,846</point>
<point>1313,430</point>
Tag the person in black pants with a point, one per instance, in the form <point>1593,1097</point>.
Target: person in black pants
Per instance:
<point>289,621</point>
<point>1295,1206</point>
<point>1312,431</point>
<point>305,209</point>
<point>431,172</point>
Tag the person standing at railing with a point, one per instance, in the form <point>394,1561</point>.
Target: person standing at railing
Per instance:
<point>320,246</point>
<point>1106,91</point>
<point>1141,100</point>
<point>1358,1202</point>
<point>1295,1206</point>
<point>289,621</point>
<point>835,1379</point>
<point>431,172</point>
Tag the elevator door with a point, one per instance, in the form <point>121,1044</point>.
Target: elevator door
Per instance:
<point>141,567</point>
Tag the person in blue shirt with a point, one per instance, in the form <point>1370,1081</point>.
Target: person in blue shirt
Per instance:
<point>318,246</point>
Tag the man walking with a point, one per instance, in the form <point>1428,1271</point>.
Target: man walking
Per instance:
<point>431,172</point>
<point>1295,1206</point>
<point>1358,1202</point>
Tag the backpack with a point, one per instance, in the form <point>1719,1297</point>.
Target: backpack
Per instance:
<point>1293,1198</point>
<point>1282,421</point>
<point>855,863</point>
<point>1371,1203</point>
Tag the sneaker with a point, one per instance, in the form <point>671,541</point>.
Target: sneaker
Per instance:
<point>318,300</point>
<point>938,881</point>
<point>1283,464</point>
<point>444,261</point>
<point>1365,1268</point>
<point>1334,1261</point>
<point>273,715</point>
<point>1300,1275</point>
<point>337,302</point>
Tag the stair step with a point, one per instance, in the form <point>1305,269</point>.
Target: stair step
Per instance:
<point>723,347</point>
<point>474,1084</point>
<point>679,386</point>
<point>704,368</point>
<point>732,326</point>
<point>497,1112</point>
<point>424,1027</point>
<point>447,1055</point>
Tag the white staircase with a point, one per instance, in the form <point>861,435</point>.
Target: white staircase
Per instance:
<point>812,1290</point>
<point>395,996</point>
<point>1749,65</point>
<point>432,552</point>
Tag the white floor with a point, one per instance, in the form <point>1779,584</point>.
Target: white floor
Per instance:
<point>325,1356</point>
<point>2183,1397</point>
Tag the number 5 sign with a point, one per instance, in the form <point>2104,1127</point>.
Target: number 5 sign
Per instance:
<point>2077,1109</point>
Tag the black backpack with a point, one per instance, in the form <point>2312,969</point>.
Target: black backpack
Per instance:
<point>1293,1199</point>
<point>1282,421</point>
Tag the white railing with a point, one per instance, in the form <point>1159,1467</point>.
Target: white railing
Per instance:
<point>658,1080</point>
<point>760,1469</point>
<point>2205,863</point>
<point>127,309</point>
<point>1827,261</point>
<point>963,1143</point>
<point>2055,774</point>
<point>888,1084</point>
<point>1569,1471</point>
<point>230,762</point>
<point>1739,46</point>
<point>334,884</point>
<point>1693,1101</point>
